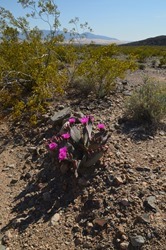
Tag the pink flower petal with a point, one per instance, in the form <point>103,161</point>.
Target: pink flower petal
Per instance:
<point>84,120</point>
<point>72,120</point>
<point>52,146</point>
<point>62,153</point>
<point>101,126</point>
<point>66,136</point>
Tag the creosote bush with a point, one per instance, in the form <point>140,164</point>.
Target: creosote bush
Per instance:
<point>100,69</point>
<point>148,103</point>
<point>35,69</point>
<point>77,145</point>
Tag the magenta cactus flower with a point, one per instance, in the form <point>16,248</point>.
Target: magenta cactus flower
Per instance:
<point>65,136</point>
<point>84,120</point>
<point>62,153</point>
<point>101,126</point>
<point>72,120</point>
<point>52,146</point>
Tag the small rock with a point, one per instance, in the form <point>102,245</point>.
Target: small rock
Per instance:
<point>55,218</point>
<point>118,180</point>
<point>145,218</point>
<point>127,93</point>
<point>93,204</point>
<point>11,166</point>
<point>13,181</point>
<point>146,169</point>
<point>125,202</point>
<point>77,229</point>
<point>78,241</point>
<point>162,133</point>
<point>150,203</point>
<point>137,240</point>
<point>86,245</point>
<point>121,230</point>
<point>61,106</point>
<point>89,224</point>
<point>124,237</point>
<point>124,245</point>
<point>124,82</point>
<point>32,150</point>
<point>27,176</point>
<point>100,222</point>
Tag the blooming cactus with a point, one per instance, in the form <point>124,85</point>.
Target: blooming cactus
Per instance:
<point>78,144</point>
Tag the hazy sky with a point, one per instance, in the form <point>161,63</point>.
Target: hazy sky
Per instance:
<point>128,20</point>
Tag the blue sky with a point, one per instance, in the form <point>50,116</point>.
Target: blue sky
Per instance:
<point>127,20</point>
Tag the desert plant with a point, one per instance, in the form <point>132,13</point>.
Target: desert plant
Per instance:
<point>101,68</point>
<point>77,144</point>
<point>148,103</point>
<point>37,68</point>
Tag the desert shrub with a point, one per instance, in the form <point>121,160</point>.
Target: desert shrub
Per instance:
<point>82,86</point>
<point>162,63</point>
<point>100,69</point>
<point>78,145</point>
<point>148,103</point>
<point>29,76</point>
<point>37,68</point>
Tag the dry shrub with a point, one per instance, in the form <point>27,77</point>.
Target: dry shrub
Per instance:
<point>148,103</point>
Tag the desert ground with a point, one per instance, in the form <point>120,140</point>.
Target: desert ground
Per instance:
<point>119,204</point>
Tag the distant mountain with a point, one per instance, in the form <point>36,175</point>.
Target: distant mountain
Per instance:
<point>89,35</point>
<point>153,41</point>
<point>84,36</point>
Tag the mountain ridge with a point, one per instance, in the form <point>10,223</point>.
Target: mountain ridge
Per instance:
<point>88,35</point>
<point>151,41</point>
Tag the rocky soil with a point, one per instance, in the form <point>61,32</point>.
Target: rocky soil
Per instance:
<point>120,204</point>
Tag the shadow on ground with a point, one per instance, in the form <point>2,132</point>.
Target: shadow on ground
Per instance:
<point>46,194</point>
<point>139,131</point>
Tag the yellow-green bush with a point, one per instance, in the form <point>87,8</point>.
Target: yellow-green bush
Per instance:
<point>100,68</point>
<point>34,71</point>
<point>148,103</point>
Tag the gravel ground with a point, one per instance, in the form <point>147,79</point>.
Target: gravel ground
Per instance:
<point>120,204</point>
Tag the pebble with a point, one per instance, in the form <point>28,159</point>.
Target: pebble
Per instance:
<point>118,180</point>
<point>13,181</point>
<point>32,149</point>
<point>146,169</point>
<point>11,165</point>
<point>55,218</point>
<point>100,222</point>
<point>144,218</point>
<point>125,202</point>
<point>137,240</point>
<point>78,241</point>
<point>150,202</point>
<point>124,245</point>
<point>162,133</point>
